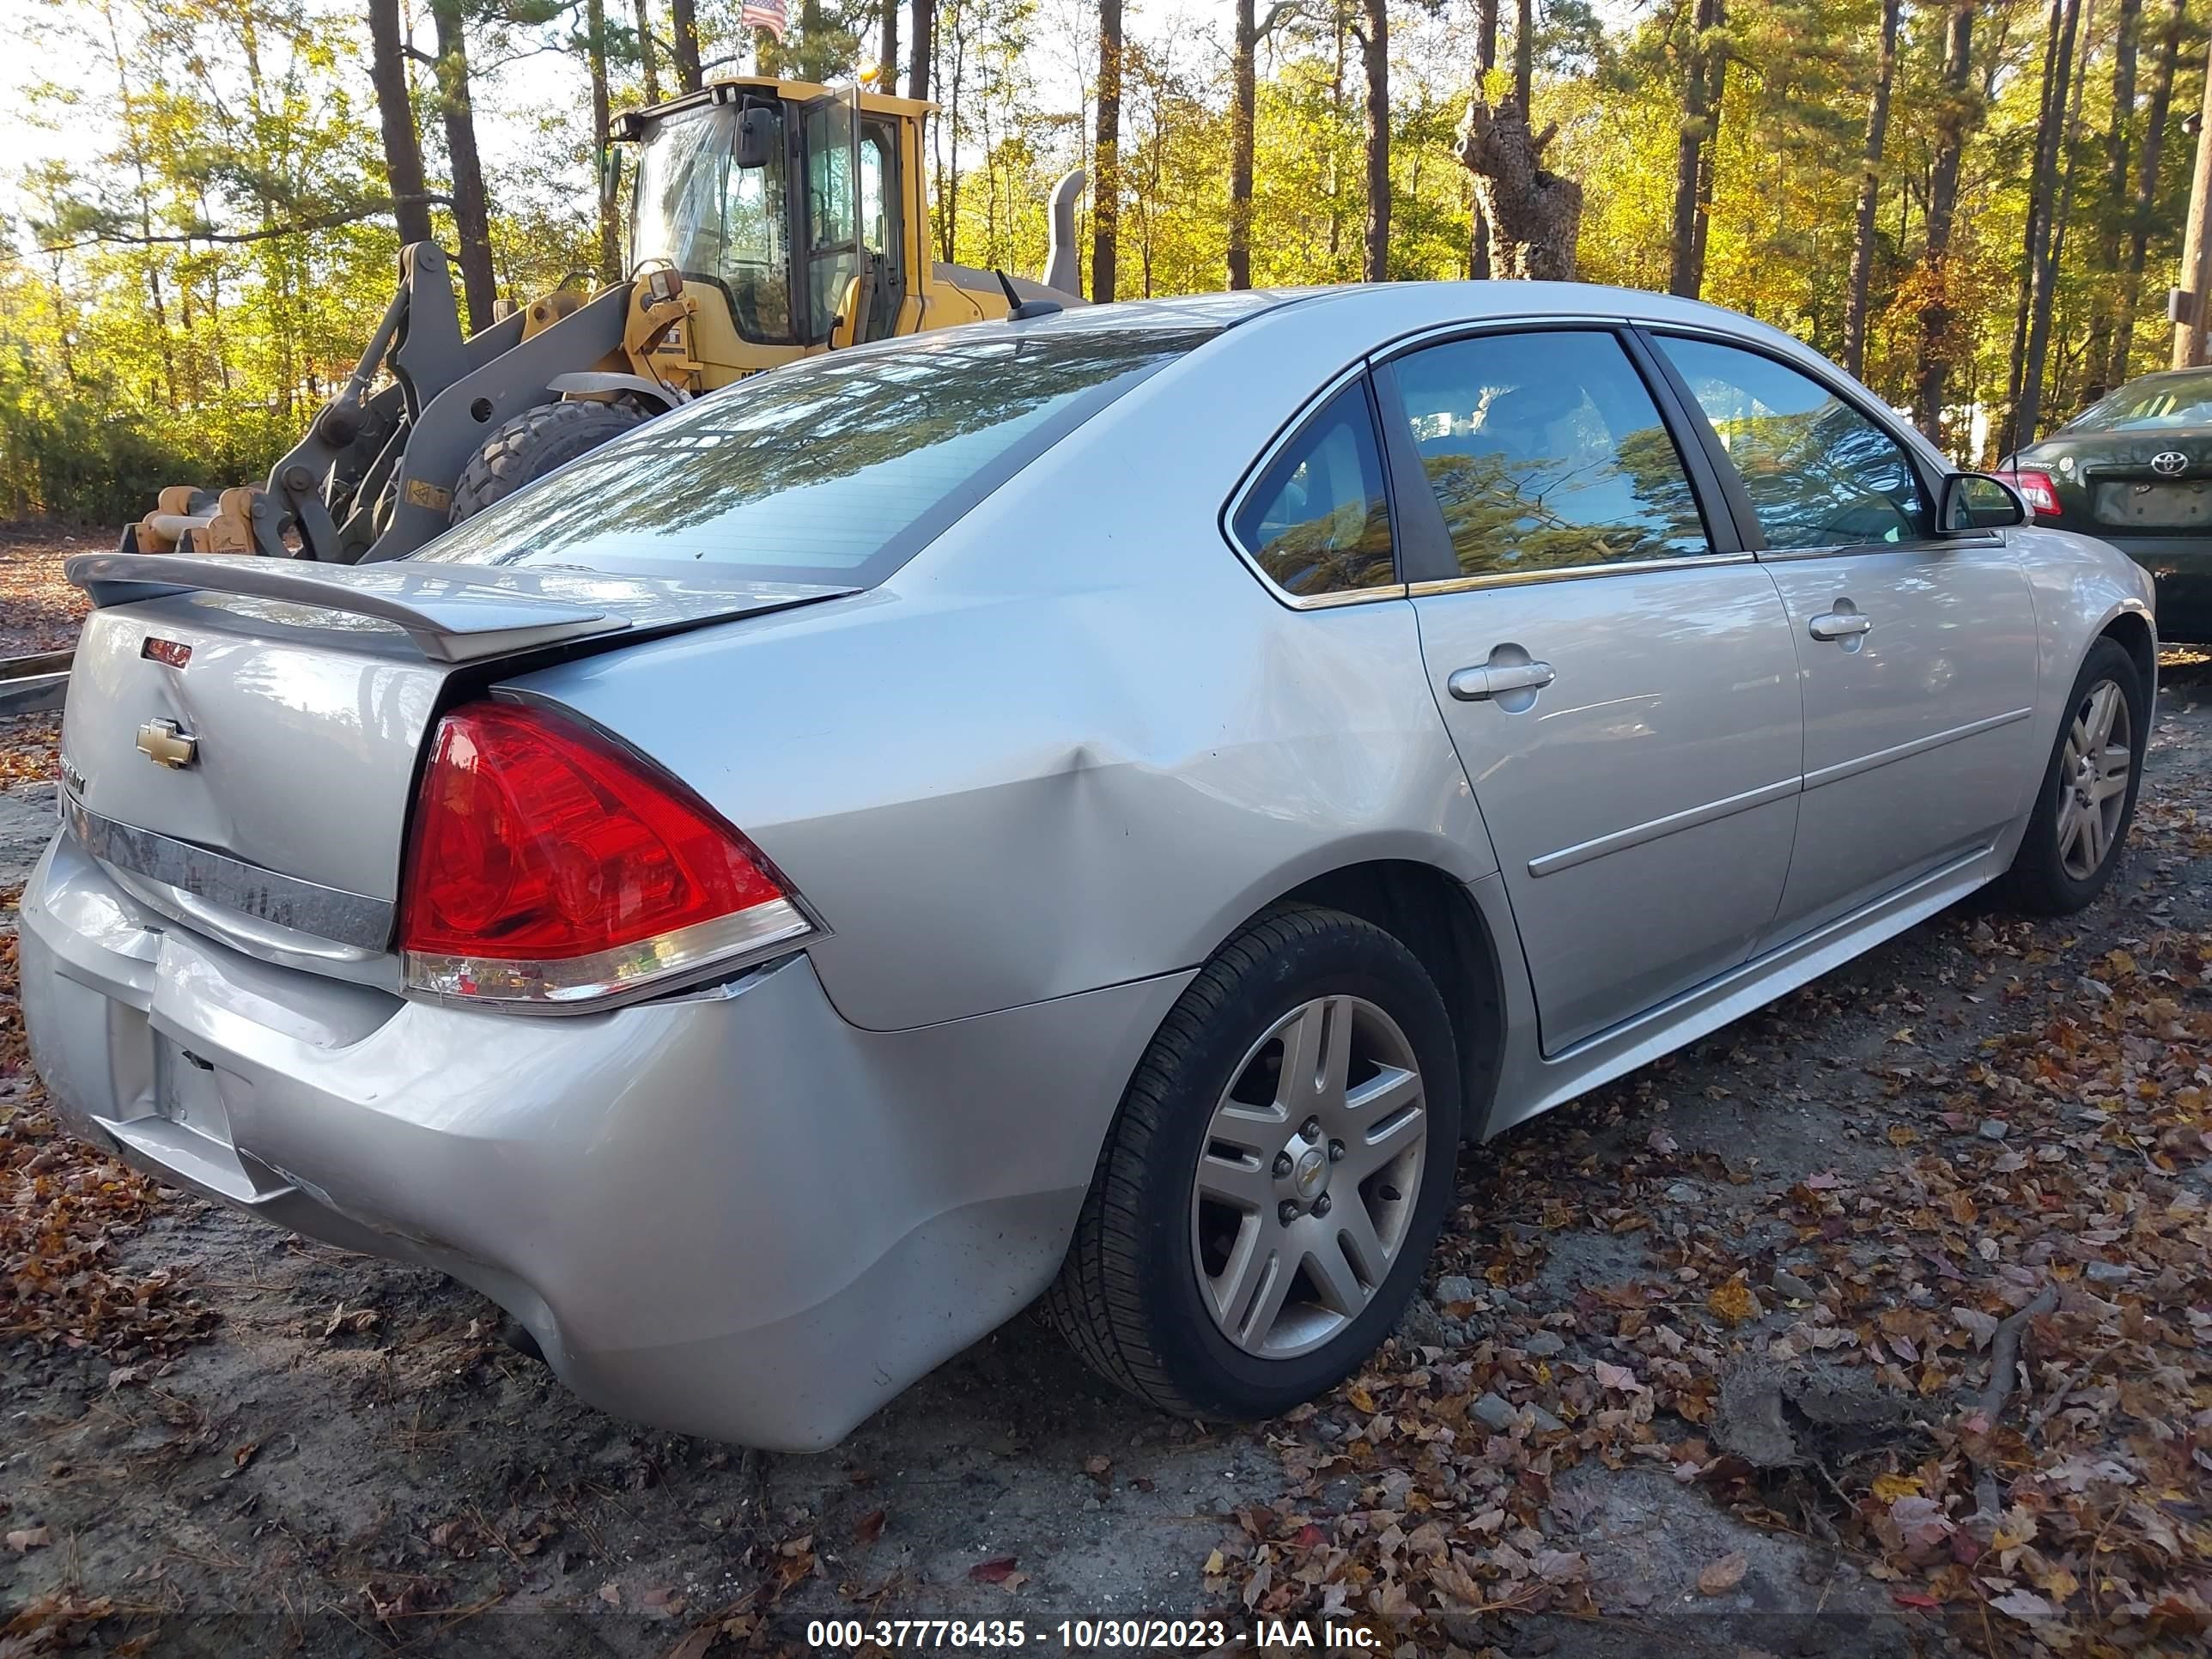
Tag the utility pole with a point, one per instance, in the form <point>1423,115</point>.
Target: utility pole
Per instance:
<point>2188,305</point>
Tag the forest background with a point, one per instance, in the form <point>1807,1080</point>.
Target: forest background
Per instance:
<point>1977,208</point>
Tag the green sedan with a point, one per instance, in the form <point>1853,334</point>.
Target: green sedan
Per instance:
<point>2134,469</point>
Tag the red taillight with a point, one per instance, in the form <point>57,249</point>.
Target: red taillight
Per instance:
<point>2038,489</point>
<point>548,865</point>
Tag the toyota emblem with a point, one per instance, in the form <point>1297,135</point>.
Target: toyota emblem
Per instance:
<point>2169,462</point>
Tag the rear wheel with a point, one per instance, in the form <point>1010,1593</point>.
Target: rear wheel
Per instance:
<point>2089,795</point>
<point>1276,1176</point>
<point>523,449</point>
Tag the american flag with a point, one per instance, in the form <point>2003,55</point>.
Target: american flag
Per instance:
<point>769,14</point>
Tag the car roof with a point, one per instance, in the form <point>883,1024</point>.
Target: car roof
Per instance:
<point>1380,303</point>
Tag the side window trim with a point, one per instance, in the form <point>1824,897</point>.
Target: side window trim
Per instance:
<point>1289,433</point>
<point>1739,499</point>
<point>1424,541</point>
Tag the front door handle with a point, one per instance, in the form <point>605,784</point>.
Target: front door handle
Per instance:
<point>1480,684</point>
<point>1839,625</point>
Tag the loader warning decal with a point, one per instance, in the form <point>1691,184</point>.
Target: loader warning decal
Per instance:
<point>421,492</point>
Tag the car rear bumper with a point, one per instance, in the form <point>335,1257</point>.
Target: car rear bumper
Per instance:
<point>730,1213</point>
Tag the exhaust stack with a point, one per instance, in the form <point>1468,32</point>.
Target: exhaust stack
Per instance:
<point>1063,265</point>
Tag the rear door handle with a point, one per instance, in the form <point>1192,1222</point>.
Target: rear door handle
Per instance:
<point>1839,625</point>
<point>1480,684</point>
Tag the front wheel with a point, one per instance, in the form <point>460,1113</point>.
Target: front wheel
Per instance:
<point>2089,795</point>
<point>523,449</point>
<point>1275,1177</point>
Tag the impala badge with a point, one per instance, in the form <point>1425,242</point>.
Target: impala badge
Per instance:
<point>168,743</point>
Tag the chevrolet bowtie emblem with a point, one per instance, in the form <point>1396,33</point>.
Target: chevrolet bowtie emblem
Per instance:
<point>168,743</point>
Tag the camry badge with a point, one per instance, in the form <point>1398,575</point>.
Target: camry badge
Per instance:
<point>2167,463</point>
<point>168,743</point>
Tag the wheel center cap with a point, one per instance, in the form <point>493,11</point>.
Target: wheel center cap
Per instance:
<point>1311,1176</point>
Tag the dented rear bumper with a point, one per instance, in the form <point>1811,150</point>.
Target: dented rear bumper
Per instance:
<point>730,1213</point>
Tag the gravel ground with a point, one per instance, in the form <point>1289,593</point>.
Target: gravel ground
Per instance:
<point>1645,1406</point>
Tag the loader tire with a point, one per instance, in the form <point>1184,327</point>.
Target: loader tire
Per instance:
<point>523,449</point>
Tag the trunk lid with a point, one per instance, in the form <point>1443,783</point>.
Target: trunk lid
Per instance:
<point>241,737</point>
<point>2145,483</point>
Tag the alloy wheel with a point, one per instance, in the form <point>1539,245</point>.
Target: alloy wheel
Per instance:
<point>1307,1178</point>
<point>2094,766</point>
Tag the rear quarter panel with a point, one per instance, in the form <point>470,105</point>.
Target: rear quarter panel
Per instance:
<point>1076,742</point>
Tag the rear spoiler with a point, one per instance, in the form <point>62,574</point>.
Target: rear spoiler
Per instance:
<point>451,618</point>
<point>453,613</point>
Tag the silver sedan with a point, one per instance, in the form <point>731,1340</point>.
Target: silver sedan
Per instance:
<point>1096,807</point>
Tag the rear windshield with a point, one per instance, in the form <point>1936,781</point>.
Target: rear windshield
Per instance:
<point>2180,400</point>
<point>836,469</point>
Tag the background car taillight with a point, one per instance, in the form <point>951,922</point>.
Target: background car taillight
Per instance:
<point>2036,490</point>
<point>547,864</point>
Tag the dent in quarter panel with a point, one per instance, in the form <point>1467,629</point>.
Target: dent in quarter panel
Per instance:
<point>995,801</point>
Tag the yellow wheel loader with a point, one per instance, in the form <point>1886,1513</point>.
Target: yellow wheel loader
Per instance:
<point>769,220</point>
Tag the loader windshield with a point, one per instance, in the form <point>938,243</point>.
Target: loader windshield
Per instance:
<point>834,470</point>
<point>716,222</point>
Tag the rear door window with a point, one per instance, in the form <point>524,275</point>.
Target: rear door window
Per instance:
<point>1547,453</point>
<point>836,470</point>
<point>1318,521</point>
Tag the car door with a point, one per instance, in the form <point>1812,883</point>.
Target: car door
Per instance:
<point>1915,654</point>
<point>1617,679</point>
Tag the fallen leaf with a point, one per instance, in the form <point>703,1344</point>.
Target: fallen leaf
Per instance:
<point>2025,1606</point>
<point>1719,1577</point>
<point>610,1593</point>
<point>30,1538</point>
<point>996,1571</point>
<point>870,1527</point>
<point>1733,1302</point>
<point>1891,1487</point>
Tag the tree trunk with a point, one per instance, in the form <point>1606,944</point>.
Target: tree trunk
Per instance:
<point>472,210</point>
<point>1485,59</point>
<point>2043,253</point>
<point>1536,215</point>
<point>2111,209</point>
<point>887,54</point>
<point>1717,62</point>
<point>595,52</point>
<point>648,69</point>
<point>1877,131</point>
<point>2142,210</point>
<point>816,62</point>
<point>1936,313</point>
<point>2035,253</point>
<point>1683,277</point>
<point>684,44</point>
<point>1106,187</point>
<point>919,51</point>
<point>1524,56</point>
<point>1376,46</point>
<point>395,114</point>
<point>1244,114</point>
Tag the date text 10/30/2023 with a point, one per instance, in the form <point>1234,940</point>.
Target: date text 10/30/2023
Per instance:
<point>1197,1635</point>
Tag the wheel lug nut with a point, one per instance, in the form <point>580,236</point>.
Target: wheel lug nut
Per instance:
<point>1282,1164</point>
<point>1321,1205</point>
<point>1336,1152</point>
<point>1286,1213</point>
<point>1311,1129</point>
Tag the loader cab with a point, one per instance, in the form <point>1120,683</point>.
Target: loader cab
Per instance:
<point>789,202</point>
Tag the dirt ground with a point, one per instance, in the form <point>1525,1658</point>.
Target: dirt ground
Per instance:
<point>1702,1369</point>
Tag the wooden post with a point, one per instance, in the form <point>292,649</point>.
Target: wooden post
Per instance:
<point>2196,269</point>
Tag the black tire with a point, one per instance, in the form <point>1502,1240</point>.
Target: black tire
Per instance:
<point>1128,1297</point>
<point>2040,884</point>
<point>523,449</point>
